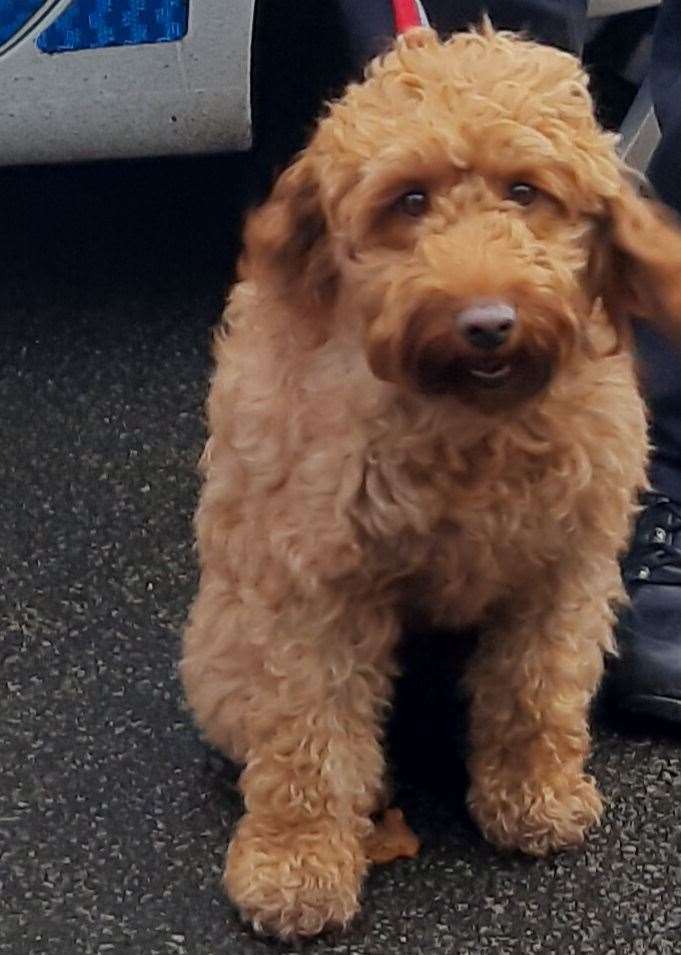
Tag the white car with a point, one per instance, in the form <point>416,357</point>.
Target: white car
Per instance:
<point>107,79</point>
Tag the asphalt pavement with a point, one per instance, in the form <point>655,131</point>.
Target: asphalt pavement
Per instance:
<point>114,816</point>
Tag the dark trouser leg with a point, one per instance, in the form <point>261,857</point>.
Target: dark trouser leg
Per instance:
<point>647,677</point>
<point>369,23</point>
<point>661,378</point>
<point>660,363</point>
<point>561,23</point>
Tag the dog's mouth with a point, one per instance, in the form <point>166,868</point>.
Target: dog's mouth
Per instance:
<point>438,376</point>
<point>490,383</point>
<point>492,374</point>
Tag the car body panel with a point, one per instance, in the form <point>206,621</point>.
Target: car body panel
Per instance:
<point>187,90</point>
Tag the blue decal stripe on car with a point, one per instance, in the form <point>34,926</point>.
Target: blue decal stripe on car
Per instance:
<point>14,14</point>
<point>93,24</point>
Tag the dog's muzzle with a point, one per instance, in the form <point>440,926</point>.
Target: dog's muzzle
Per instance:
<point>479,354</point>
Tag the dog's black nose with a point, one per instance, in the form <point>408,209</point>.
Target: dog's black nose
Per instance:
<point>486,325</point>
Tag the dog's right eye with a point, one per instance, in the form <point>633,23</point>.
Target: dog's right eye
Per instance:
<point>414,203</point>
<point>522,193</point>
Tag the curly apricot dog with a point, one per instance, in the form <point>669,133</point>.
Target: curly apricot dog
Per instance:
<point>426,396</point>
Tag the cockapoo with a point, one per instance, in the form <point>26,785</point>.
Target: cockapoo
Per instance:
<point>424,397</point>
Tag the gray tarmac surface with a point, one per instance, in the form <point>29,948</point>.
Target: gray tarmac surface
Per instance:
<point>113,815</point>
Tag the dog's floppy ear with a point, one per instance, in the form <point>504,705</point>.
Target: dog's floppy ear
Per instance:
<point>640,262</point>
<point>286,242</point>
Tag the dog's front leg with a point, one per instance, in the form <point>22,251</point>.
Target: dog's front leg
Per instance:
<point>530,684</point>
<point>314,774</point>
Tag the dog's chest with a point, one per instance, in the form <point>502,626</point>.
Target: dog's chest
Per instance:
<point>463,526</point>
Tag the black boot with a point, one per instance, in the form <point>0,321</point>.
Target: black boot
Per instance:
<point>646,678</point>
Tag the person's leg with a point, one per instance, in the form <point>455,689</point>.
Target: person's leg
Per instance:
<point>647,676</point>
<point>370,25</point>
<point>662,365</point>
<point>561,23</point>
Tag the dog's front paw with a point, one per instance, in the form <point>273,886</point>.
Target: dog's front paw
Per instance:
<point>533,817</point>
<point>294,882</point>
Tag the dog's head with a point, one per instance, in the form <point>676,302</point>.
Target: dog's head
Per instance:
<point>465,209</point>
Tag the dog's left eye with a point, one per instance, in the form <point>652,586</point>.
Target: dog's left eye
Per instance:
<point>522,193</point>
<point>414,203</point>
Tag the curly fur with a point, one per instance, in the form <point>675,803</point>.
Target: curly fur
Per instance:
<point>340,490</point>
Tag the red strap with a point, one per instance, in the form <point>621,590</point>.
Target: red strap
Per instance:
<point>408,14</point>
